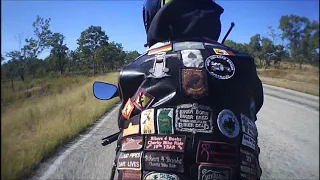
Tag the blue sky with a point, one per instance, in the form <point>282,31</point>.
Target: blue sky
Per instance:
<point>122,21</point>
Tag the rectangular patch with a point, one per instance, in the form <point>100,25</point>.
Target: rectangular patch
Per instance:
<point>194,82</point>
<point>127,109</point>
<point>165,120</point>
<point>165,48</point>
<point>207,172</point>
<point>159,176</point>
<point>147,121</point>
<point>131,126</point>
<point>129,160</point>
<point>166,162</point>
<point>192,58</point>
<point>131,143</point>
<point>193,118</point>
<point>217,153</point>
<point>142,99</point>
<point>244,176</point>
<point>248,126</point>
<point>223,52</point>
<point>177,46</point>
<point>248,163</point>
<point>129,174</point>
<point>248,141</point>
<point>165,142</point>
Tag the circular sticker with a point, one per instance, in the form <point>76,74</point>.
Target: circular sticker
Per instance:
<point>220,67</point>
<point>228,123</point>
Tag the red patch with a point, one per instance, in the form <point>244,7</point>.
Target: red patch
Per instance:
<point>127,109</point>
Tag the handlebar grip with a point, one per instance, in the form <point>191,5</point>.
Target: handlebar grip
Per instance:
<point>110,139</point>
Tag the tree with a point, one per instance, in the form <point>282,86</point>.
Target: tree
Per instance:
<point>90,40</point>
<point>130,56</point>
<point>34,65</point>
<point>255,47</point>
<point>59,51</point>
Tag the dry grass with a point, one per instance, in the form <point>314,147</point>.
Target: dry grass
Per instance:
<point>305,80</point>
<point>34,129</point>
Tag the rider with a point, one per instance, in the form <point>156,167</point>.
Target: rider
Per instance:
<point>189,103</point>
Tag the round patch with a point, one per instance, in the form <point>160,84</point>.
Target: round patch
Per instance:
<point>228,123</point>
<point>220,67</point>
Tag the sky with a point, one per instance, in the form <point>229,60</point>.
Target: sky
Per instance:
<point>122,20</point>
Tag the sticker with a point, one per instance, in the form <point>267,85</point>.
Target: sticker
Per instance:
<point>194,82</point>
<point>178,46</point>
<point>127,109</point>
<point>248,126</point>
<point>132,143</point>
<point>216,153</point>
<point>160,176</point>
<point>130,174</point>
<point>193,118</point>
<point>207,172</point>
<point>220,67</point>
<point>228,123</point>
<point>142,99</point>
<point>192,58</point>
<point>165,143</point>
<point>147,121</point>
<point>166,162</point>
<point>165,48</point>
<point>249,141</point>
<point>165,120</point>
<point>159,69</point>
<point>247,160</point>
<point>131,126</point>
<point>129,160</point>
<point>223,52</point>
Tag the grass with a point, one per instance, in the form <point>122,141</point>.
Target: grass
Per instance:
<point>289,76</point>
<point>33,128</point>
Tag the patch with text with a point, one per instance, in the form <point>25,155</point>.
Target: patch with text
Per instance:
<point>165,120</point>
<point>192,58</point>
<point>217,153</point>
<point>248,163</point>
<point>131,126</point>
<point>193,118</point>
<point>147,121</point>
<point>178,46</point>
<point>129,160</point>
<point>129,174</point>
<point>160,176</point>
<point>142,99</point>
<point>248,141</point>
<point>163,161</point>
<point>165,142</point>
<point>207,172</point>
<point>220,67</point>
<point>228,123</point>
<point>194,82</point>
<point>132,143</point>
<point>127,109</point>
<point>248,126</point>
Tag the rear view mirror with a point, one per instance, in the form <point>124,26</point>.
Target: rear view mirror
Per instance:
<point>104,91</point>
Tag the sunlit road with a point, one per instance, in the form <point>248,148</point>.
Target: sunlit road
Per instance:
<point>288,126</point>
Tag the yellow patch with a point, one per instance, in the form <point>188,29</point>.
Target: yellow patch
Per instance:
<point>132,129</point>
<point>127,109</point>
<point>147,121</point>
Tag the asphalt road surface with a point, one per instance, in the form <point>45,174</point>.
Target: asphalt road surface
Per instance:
<point>288,126</point>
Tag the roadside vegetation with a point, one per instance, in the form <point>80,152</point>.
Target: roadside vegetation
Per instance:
<point>47,102</point>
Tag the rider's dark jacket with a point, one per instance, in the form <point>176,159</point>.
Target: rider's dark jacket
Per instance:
<point>188,111</point>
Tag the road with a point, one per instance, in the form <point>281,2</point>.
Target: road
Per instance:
<point>288,126</point>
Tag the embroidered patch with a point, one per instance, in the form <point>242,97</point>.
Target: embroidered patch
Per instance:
<point>142,99</point>
<point>220,67</point>
<point>247,166</point>
<point>178,46</point>
<point>228,123</point>
<point>159,69</point>
<point>131,143</point>
<point>194,82</point>
<point>166,162</point>
<point>165,143</point>
<point>129,174</point>
<point>127,109</point>
<point>160,176</point>
<point>165,120</point>
<point>131,126</point>
<point>193,118</point>
<point>248,126</point>
<point>216,153</point>
<point>164,48</point>
<point>207,172</point>
<point>248,141</point>
<point>192,58</point>
<point>129,160</point>
<point>223,52</point>
<point>147,121</point>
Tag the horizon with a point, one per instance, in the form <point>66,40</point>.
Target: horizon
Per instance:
<point>72,17</point>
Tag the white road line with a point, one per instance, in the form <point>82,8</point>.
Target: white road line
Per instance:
<point>64,155</point>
